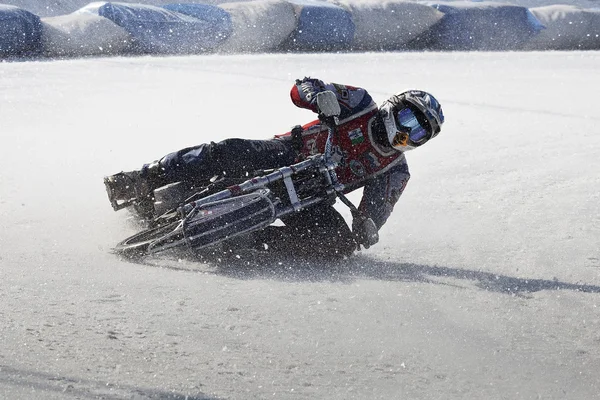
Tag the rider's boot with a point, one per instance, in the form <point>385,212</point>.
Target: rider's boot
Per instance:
<point>134,187</point>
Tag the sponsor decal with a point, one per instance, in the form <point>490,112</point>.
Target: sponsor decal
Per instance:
<point>396,189</point>
<point>373,161</point>
<point>311,146</point>
<point>265,145</point>
<point>357,168</point>
<point>342,91</point>
<point>356,136</point>
<point>338,155</point>
<point>401,139</point>
<point>396,193</point>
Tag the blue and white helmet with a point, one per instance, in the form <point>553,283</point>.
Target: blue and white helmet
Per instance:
<point>411,118</point>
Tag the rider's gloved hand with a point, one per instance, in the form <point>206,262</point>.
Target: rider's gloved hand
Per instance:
<point>327,104</point>
<point>365,231</point>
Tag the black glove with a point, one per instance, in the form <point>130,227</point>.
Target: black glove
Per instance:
<point>297,143</point>
<point>365,231</point>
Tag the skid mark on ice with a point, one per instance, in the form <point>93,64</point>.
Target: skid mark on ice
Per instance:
<point>48,385</point>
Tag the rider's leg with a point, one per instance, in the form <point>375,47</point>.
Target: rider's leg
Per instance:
<point>319,232</point>
<point>231,156</point>
<point>193,164</point>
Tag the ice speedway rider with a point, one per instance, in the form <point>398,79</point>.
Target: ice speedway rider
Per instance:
<point>370,143</point>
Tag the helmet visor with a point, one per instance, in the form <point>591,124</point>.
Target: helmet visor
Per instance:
<point>409,123</point>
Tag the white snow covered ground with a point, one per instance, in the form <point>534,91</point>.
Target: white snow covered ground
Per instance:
<point>485,284</point>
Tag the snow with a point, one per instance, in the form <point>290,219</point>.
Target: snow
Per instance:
<point>485,283</point>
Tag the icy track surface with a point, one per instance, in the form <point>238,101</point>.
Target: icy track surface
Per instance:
<point>485,284</point>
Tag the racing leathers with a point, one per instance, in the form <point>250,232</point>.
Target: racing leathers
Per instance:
<point>366,158</point>
<point>360,145</point>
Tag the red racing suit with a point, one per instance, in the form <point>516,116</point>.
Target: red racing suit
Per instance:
<point>360,145</point>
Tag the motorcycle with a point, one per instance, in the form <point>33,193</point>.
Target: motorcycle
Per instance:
<point>223,210</point>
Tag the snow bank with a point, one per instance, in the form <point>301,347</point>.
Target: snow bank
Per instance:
<point>259,26</point>
<point>83,34</point>
<point>46,8</point>
<point>163,27</point>
<point>567,27</point>
<point>20,31</point>
<point>390,24</point>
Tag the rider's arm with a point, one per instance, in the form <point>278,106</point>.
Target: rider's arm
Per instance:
<point>352,99</point>
<point>381,194</point>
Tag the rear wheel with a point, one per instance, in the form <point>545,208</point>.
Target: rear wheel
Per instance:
<point>229,218</point>
<point>209,224</point>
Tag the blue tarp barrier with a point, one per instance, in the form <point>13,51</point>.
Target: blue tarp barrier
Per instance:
<point>389,24</point>
<point>20,31</point>
<point>218,19</point>
<point>321,26</point>
<point>480,26</point>
<point>158,30</point>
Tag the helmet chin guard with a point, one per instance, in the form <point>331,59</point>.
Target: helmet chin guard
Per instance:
<point>411,119</point>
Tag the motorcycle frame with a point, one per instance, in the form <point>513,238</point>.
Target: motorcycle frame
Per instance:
<point>319,162</point>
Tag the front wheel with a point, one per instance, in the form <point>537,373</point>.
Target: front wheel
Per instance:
<point>137,245</point>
